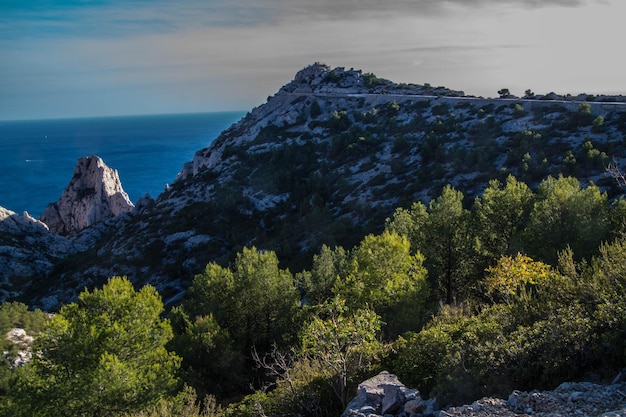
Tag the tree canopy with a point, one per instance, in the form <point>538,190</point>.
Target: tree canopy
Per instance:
<point>100,356</point>
<point>523,289</point>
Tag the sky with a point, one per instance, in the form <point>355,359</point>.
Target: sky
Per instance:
<point>81,58</point>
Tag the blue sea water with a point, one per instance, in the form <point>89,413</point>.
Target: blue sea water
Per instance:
<point>37,157</point>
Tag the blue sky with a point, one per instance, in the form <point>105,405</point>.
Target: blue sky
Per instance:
<point>113,57</point>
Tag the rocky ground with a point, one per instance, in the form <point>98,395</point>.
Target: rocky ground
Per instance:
<point>568,399</point>
<point>385,395</point>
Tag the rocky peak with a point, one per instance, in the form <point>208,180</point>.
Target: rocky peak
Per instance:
<point>320,79</point>
<point>94,194</point>
<point>310,73</point>
<point>341,87</point>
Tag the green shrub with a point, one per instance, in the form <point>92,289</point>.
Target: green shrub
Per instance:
<point>371,80</point>
<point>16,314</point>
<point>559,329</point>
<point>440,109</point>
<point>104,354</point>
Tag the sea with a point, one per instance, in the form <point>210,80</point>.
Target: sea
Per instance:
<point>37,157</point>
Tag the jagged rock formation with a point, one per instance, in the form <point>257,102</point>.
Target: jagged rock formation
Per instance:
<point>32,249</point>
<point>385,395</point>
<point>94,194</point>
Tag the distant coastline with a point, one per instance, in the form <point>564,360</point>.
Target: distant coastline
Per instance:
<point>119,116</point>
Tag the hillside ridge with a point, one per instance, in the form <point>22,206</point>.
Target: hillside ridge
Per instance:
<point>325,161</point>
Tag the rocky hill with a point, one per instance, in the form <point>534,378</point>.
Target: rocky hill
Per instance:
<point>325,161</point>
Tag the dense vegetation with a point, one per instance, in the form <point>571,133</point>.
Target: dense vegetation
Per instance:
<point>521,289</point>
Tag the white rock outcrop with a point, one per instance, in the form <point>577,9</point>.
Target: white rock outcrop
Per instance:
<point>94,194</point>
<point>23,341</point>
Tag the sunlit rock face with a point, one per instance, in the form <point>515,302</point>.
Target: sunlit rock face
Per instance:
<point>94,194</point>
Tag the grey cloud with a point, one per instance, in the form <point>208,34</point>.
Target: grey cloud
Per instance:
<point>117,18</point>
<point>353,8</point>
<point>121,18</point>
<point>252,12</point>
<point>459,48</point>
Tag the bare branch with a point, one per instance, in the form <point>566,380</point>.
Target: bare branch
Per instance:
<point>613,170</point>
<point>276,363</point>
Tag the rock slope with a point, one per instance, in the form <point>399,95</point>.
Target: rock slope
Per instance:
<point>28,250</point>
<point>94,194</point>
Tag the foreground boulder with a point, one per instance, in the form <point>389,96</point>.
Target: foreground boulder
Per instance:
<point>385,395</point>
<point>94,194</point>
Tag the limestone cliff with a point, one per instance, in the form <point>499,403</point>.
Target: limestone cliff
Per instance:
<point>94,194</point>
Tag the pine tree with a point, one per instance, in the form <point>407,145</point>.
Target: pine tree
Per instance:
<point>100,356</point>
